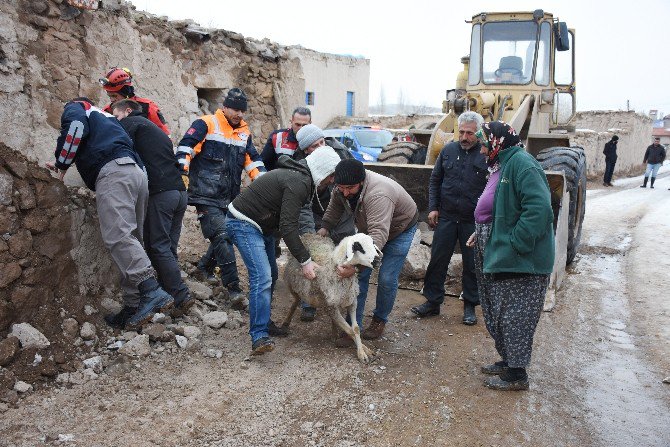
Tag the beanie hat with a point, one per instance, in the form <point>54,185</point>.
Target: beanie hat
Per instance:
<point>236,99</point>
<point>307,135</point>
<point>615,138</point>
<point>322,163</point>
<point>349,172</point>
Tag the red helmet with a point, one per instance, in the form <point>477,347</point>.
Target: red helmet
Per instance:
<point>116,78</point>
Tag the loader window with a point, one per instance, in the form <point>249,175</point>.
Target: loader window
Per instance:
<point>475,50</point>
<point>543,51</point>
<point>563,64</point>
<point>509,52</point>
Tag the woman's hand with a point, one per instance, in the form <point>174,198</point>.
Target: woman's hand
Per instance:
<point>471,240</point>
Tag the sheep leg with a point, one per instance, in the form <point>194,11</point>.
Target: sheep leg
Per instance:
<point>291,311</point>
<point>353,332</point>
<point>351,310</point>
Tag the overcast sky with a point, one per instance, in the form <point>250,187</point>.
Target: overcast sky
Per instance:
<point>415,46</point>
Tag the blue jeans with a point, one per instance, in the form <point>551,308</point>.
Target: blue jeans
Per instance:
<point>395,251</point>
<point>258,253</point>
<point>652,168</point>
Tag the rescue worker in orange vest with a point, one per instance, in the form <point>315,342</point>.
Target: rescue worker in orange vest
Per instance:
<point>118,83</point>
<point>284,141</point>
<point>212,155</point>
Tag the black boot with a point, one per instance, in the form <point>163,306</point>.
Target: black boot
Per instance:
<point>512,379</point>
<point>152,299</point>
<point>118,321</point>
<point>427,309</point>
<point>644,185</point>
<point>469,317</point>
<point>653,179</point>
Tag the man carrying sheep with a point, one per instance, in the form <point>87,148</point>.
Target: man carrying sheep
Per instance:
<point>386,212</point>
<point>272,203</point>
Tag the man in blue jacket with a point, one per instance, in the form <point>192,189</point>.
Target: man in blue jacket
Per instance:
<point>104,156</point>
<point>457,181</point>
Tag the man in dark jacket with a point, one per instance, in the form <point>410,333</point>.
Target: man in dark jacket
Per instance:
<point>167,198</point>
<point>610,160</point>
<point>457,181</point>
<point>272,203</point>
<point>284,141</point>
<point>654,157</point>
<point>212,155</point>
<point>104,155</point>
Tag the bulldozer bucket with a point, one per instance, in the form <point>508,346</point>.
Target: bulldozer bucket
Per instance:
<point>560,203</point>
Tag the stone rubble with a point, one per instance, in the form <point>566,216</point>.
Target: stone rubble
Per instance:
<point>29,336</point>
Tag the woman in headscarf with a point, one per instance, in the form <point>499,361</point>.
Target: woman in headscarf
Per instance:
<point>514,252</point>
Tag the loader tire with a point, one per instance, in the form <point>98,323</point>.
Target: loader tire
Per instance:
<point>572,161</point>
<point>403,152</point>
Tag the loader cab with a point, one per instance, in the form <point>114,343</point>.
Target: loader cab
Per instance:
<point>523,52</point>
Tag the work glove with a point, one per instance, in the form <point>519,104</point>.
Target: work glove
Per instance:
<point>184,178</point>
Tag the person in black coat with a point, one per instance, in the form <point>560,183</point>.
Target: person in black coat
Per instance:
<point>167,198</point>
<point>458,179</point>
<point>610,160</point>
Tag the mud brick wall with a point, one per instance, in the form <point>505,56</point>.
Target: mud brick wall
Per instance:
<point>595,128</point>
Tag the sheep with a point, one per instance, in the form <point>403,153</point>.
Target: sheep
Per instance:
<point>328,289</point>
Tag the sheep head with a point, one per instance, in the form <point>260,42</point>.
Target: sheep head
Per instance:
<point>359,249</point>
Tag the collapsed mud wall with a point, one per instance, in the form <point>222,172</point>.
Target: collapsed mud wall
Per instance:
<point>595,128</point>
<point>50,247</point>
<point>46,61</point>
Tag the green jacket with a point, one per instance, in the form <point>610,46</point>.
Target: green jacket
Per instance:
<point>522,234</point>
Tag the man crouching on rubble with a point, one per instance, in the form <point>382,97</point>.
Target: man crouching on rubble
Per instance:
<point>103,152</point>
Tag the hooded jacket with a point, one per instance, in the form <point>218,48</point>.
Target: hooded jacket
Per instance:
<point>273,201</point>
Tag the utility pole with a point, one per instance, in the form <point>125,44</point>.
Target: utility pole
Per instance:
<point>628,105</point>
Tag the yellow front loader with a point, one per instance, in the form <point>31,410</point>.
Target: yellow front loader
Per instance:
<point>520,70</point>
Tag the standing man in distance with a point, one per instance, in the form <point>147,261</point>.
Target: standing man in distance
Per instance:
<point>457,181</point>
<point>654,157</point>
<point>610,160</point>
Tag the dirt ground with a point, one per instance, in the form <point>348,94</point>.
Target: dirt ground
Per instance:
<point>596,377</point>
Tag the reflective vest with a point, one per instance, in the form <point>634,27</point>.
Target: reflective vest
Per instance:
<point>282,145</point>
<point>215,162</point>
<point>149,110</point>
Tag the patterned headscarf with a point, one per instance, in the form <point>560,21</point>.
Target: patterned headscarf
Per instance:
<point>497,136</point>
